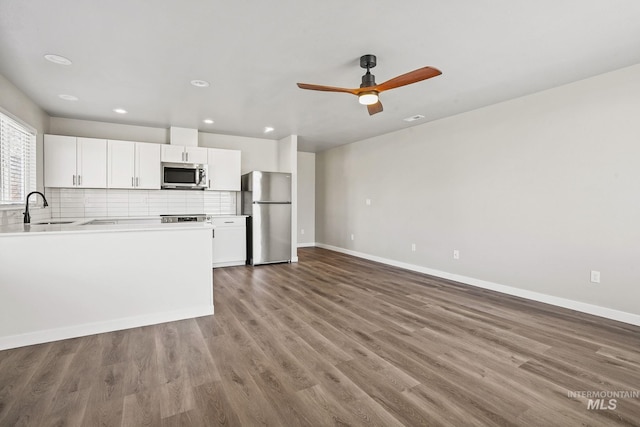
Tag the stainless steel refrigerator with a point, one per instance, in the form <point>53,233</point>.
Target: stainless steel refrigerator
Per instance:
<point>266,198</point>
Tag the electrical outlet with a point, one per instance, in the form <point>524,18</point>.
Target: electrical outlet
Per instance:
<point>368,202</point>
<point>302,231</point>
<point>456,254</point>
<point>353,237</point>
<point>413,247</point>
<point>595,276</point>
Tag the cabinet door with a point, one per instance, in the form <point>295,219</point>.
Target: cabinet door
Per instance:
<point>229,243</point>
<point>173,153</point>
<point>92,163</point>
<point>224,169</point>
<point>148,166</point>
<point>59,161</point>
<point>120,164</point>
<point>196,154</point>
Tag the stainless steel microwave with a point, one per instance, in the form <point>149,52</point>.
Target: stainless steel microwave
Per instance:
<point>185,176</point>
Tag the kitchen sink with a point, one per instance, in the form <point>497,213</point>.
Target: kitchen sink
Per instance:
<point>53,222</point>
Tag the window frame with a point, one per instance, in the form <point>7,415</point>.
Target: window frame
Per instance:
<point>34,163</point>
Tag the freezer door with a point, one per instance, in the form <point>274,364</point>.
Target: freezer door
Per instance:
<point>271,233</point>
<point>271,187</point>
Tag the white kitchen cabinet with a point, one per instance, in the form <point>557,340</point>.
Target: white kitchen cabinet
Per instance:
<point>121,164</point>
<point>196,154</point>
<point>75,162</point>
<point>230,241</point>
<point>148,168</point>
<point>60,161</point>
<point>172,153</point>
<point>133,165</point>
<point>224,169</point>
<point>181,154</point>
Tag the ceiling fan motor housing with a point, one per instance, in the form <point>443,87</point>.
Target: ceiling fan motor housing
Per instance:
<point>368,80</point>
<point>368,61</point>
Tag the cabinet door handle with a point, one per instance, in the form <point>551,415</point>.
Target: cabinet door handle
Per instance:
<point>209,183</point>
<point>137,182</point>
<point>79,179</point>
<point>187,156</point>
<point>74,180</point>
<point>132,184</point>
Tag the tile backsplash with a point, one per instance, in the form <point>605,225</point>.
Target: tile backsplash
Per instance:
<point>9,216</point>
<point>94,203</point>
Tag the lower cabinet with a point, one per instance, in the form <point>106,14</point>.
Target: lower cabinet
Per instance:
<point>229,243</point>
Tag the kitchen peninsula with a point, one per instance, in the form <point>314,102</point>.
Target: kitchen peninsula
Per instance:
<point>63,281</point>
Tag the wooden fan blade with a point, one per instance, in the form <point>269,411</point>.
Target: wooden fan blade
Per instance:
<point>374,108</point>
<point>408,78</point>
<point>327,88</point>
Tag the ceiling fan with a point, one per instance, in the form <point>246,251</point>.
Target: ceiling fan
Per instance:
<point>368,92</point>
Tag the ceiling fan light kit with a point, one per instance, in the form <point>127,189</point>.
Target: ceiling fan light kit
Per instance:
<point>368,92</point>
<point>368,98</point>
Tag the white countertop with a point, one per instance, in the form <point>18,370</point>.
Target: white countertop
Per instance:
<point>82,226</point>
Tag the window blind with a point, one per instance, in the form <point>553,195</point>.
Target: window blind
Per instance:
<point>17,161</point>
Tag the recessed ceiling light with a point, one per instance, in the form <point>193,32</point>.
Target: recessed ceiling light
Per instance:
<point>414,118</point>
<point>120,110</point>
<point>200,83</point>
<point>57,59</point>
<point>208,121</point>
<point>68,97</point>
<point>268,129</point>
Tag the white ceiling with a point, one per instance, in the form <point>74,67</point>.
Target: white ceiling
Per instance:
<point>141,56</point>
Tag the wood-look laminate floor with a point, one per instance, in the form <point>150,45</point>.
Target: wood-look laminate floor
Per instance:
<point>334,340</point>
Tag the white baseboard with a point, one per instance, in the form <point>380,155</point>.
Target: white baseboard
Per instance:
<point>40,337</point>
<point>608,313</point>
<point>306,245</point>
<point>229,264</point>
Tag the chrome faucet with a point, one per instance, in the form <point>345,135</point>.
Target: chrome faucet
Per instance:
<point>27,217</point>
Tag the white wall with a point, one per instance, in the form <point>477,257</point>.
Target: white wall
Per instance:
<point>306,198</point>
<point>288,162</point>
<point>534,193</point>
<point>93,129</point>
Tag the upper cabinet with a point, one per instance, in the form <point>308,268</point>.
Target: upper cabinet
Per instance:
<point>133,165</point>
<point>121,164</point>
<point>148,168</point>
<point>75,162</point>
<point>181,154</point>
<point>72,162</point>
<point>224,169</point>
<point>172,153</point>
